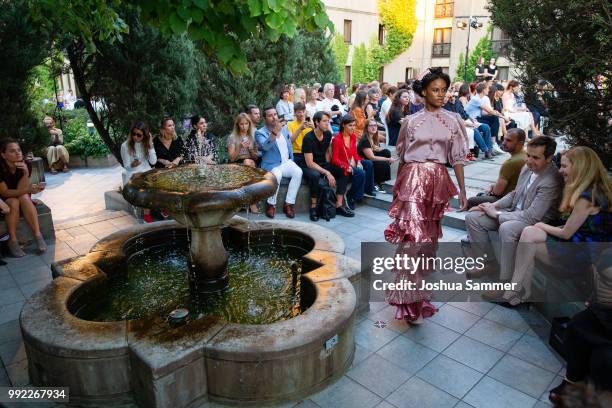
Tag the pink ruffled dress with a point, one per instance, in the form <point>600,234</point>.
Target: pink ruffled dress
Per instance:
<point>426,142</point>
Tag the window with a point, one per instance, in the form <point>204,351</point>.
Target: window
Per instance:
<point>409,74</point>
<point>502,73</point>
<point>348,27</point>
<point>381,34</point>
<point>347,75</point>
<point>444,8</point>
<point>381,74</point>
<point>442,42</point>
<point>500,42</point>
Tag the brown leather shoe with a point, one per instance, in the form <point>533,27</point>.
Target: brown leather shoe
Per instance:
<point>270,210</point>
<point>493,296</point>
<point>288,210</point>
<point>490,269</point>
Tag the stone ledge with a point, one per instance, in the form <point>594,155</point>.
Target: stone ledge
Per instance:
<point>45,221</point>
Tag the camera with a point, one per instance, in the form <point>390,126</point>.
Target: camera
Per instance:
<point>307,118</point>
<point>335,108</point>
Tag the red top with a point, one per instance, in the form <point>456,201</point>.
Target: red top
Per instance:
<point>341,155</point>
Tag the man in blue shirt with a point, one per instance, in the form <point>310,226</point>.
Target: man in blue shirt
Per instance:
<point>277,157</point>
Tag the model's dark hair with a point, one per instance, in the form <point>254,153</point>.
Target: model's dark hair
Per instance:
<point>434,73</point>
<point>346,119</point>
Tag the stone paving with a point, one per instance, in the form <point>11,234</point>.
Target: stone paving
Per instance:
<point>469,354</point>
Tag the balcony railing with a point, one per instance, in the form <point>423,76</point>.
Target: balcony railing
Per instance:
<point>441,50</point>
<point>444,10</point>
<point>501,47</point>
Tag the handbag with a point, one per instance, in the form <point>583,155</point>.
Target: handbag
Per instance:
<point>326,201</point>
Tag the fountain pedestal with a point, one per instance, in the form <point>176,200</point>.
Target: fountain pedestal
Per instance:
<point>208,269</point>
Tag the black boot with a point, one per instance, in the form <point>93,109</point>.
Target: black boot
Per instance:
<point>313,215</point>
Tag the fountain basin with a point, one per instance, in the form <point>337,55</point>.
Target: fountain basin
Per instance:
<point>209,358</point>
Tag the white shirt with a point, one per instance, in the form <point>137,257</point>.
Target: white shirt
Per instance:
<point>138,154</point>
<point>312,109</point>
<point>281,142</point>
<point>521,201</point>
<point>326,105</point>
<point>384,110</point>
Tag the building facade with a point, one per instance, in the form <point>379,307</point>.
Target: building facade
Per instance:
<point>437,41</point>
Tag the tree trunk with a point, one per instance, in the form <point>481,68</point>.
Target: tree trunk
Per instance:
<point>75,56</point>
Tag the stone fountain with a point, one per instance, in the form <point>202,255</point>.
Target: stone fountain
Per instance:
<point>202,198</point>
<point>119,357</point>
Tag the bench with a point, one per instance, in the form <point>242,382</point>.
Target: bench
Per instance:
<point>45,220</point>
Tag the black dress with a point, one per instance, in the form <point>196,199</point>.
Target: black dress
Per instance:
<point>382,169</point>
<point>170,154</point>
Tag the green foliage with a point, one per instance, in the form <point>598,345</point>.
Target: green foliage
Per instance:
<point>482,49</point>
<point>570,47</point>
<point>360,55</point>
<point>22,50</point>
<point>307,58</point>
<point>221,26</point>
<point>399,19</point>
<point>145,77</point>
<point>79,142</point>
<point>341,51</point>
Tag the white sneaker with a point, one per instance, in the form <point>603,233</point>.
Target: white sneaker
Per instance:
<point>497,150</point>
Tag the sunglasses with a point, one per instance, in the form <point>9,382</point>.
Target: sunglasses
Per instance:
<point>137,134</point>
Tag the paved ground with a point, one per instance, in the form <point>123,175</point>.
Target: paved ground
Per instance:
<point>470,354</point>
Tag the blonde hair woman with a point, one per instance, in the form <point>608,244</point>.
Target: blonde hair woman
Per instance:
<point>168,146</point>
<point>585,208</point>
<point>241,146</point>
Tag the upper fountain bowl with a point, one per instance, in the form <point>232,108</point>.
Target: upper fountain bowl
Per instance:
<point>196,189</point>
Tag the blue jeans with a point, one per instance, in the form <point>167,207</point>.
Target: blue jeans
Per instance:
<point>368,167</point>
<point>357,184</point>
<point>492,122</point>
<point>482,137</point>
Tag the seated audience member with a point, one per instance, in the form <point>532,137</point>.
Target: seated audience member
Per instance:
<point>496,91</point>
<point>329,104</point>
<point>138,155</point>
<point>535,198</point>
<point>168,146</point>
<point>518,112</point>
<point>384,109</point>
<point>254,115</point>
<point>479,109</point>
<point>4,209</point>
<point>317,156</point>
<point>299,97</point>
<point>15,190</point>
<point>358,112</point>
<point>313,105</point>
<point>345,156</point>
<point>372,110</point>
<point>200,147</point>
<point>478,133</point>
<point>137,152</point>
<point>400,108</point>
<point>585,208</point>
<point>297,130</point>
<point>275,144</point>
<point>509,171</point>
<point>241,146</point>
<point>369,148</point>
<point>284,107</point>
<point>57,155</point>
<point>588,342</point>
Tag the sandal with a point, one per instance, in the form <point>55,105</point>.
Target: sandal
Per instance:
<point>15,249</point>
<point>42,245</point>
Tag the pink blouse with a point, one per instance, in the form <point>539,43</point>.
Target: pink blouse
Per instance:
<point>438,136</point>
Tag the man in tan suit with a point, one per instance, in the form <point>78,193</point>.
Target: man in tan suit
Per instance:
<point>535,199</point>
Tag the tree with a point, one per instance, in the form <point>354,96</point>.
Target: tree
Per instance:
<point>221,26</point>
<point>144,77</point>
<point>569,45</point>
<point>483,49</point>
<point>22,52</point>
<point>304,59</point>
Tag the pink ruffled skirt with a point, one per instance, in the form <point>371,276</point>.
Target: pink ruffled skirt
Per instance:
<point>420,197</point>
